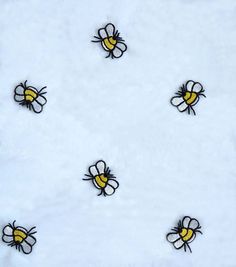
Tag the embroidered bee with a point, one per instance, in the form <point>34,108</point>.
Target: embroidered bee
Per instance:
<point>19,237</point>
<point>111,41</point>
<point>188,96</point>
<point>30,97</point>
<point>184,233</point>
<point>102,178</point>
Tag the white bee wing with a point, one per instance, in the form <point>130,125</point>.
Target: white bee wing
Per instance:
<point>109,190</point>
<point>7,230</point>
<point>19,93</point>
<point>189,85</point>
<point>178,243</point>
<point>101,166</point>
<point>117,52</point>
<point>197,87</point>
<point>93,170</point>
<point>7,234</point>
<point>113,183</point>
<point>26,247</point>
<point>194,224</point>
<point>185,221</point>
<point>19,90</point>
<point>172,237</point>
<point>122,46</point>
<point>110,29</point>
<point>102,33</point>
<point>18,98</point>
<point>30,240</point>
<point>182,107</point>
<point>37,107</point>
<point>176,100</point>
<point>41,99</point>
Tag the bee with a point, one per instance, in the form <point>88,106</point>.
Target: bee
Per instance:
<point>102,178</point>
<point>111,41</point>
<point>188,96</point>
<point>19,237</point>
<point>184,233</point>
<point>30,97</point>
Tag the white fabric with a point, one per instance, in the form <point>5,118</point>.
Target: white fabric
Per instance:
<point>168,164</point>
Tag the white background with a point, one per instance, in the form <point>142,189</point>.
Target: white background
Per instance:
<point>168,164</point>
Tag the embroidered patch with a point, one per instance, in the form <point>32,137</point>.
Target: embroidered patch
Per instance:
<point>19,237</point>
<point>188,96</point>
<point>30,97</point>
<point>184,233</point>
<point>110,40</point>
<point>102,178</point>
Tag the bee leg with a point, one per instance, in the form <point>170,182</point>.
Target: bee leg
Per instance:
<point>108,55</point>
<point>189,247</point>
<point>193,110</point>
<point>188,109</point>
<point>100,193</point>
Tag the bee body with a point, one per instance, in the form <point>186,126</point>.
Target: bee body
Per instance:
<point>109,43</point>
<point>101,181</point>
<point>19,235</point>
<point>30,95</point>
<point>186,234</point>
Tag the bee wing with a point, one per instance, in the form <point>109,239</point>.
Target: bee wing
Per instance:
<point>102,33</point>
<point>109,190</point>
<point>26,247</point>
<point>37,107</point>
<point>182,107</point>
<point>19,89</point>
<point>7,234</point>
<point>185,222</point>
<point>113,183</point>
<point>122,46</point>
<point>31,240</point>
<point>101,166</point>
<point>110,29</point>
<point>41,99</point>
<point>117,52</point>
<point>93,170</point>
<point>172,237</point>
<point>197,87</point>
<point>176,100</point>
<point>178,243</point>
<point>194,224</point>
<point>189,85</point>
<point>19,93</point>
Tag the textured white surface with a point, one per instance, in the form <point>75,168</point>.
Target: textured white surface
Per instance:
<point>168,164</point>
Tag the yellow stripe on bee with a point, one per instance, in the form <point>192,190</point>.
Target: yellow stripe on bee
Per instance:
<point>19,235</point>
<point>186,234</point>
<point>109,43</point>
<point>190,97</point>
<point>101,180</point>
<point>30,95</point>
